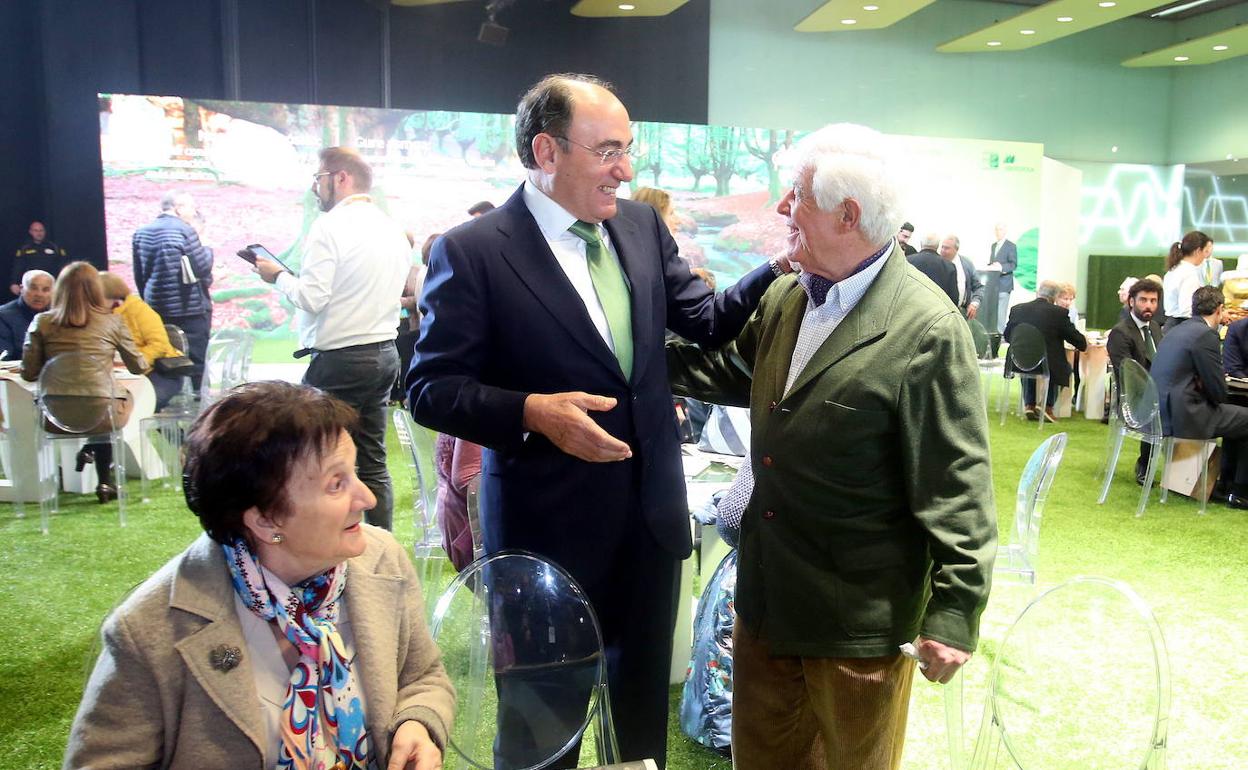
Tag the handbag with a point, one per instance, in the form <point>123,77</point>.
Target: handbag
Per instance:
<point>174,366</point>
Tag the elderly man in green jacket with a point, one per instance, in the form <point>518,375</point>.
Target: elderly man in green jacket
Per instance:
<point>872,520</point>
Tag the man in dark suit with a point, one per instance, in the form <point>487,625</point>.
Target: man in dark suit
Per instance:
<point>1191,387</point>
<point>1235,349</point>
<point>542,340</point>
<point>1054,325</point>
<point>904,234</point>
<point>940,271</point>
<point>970,288</point>
<point>1136,337</point>
<point>1005,254</point>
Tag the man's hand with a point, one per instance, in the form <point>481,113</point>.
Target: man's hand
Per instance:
<point>413,749</point>
<point>562,418</point>
<point>267,269</point>
<point>972,311</point>
<point>942,661</point>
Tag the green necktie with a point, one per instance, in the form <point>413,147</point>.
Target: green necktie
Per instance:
<point>1148,340</point>
<point>612,292</point>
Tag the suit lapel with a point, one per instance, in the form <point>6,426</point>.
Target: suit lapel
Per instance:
<point>783,341</point>
<point>525,249</point>
<point>866,323</point>
<point>638,263</point>
<point>202,587</point>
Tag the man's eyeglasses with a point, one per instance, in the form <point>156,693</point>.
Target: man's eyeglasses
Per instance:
<point>607,157</point>
<point>320,174</point>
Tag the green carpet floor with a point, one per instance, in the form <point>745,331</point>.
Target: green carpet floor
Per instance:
<point>1190,569</point>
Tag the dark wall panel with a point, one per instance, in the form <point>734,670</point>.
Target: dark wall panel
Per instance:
<point>275,51</point>
<point>180,48</point>
<point>659,65</point>
<point>349,53</point>
<point>21,130</point>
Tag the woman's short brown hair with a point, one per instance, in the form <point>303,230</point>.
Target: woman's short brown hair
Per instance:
<point>242,450</point>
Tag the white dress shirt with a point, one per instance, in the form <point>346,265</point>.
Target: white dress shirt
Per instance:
<point>1178,285</point>
<point>957,265</point>
<point>569,250</point>
<point>354,265</point>
<point>270,673</point>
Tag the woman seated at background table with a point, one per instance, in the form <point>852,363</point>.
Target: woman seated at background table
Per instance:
<point>148,331</point>
<point>290,634</point>
<point>80,321</point>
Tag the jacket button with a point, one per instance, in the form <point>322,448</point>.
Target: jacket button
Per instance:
<point>769,514</point>
<point>767,461</point>
<point>771,407</point>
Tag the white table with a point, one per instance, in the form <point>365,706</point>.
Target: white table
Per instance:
<point>21,420</point>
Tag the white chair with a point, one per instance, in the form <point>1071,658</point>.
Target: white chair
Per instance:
<point>1017,560</point>
<point>519,637</point>
<point>1081,680</point>
<point>76,418</point>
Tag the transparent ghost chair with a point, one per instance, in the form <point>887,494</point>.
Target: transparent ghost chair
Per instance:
<point>427,552</point>
<point>1025,360</point>
<point>1016,560</point>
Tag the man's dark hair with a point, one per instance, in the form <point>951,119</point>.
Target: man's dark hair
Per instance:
<point>242,451</point>
<point>907,227</point>
<point>1206,300</point>
<point>547,109</point>
<point>1145,285</point>
<point>337,159</point>
<point>480,207</point>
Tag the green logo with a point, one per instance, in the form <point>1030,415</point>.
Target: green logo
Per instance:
<point>992,160</point>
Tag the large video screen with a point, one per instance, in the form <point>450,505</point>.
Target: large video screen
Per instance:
<point>249,167</point>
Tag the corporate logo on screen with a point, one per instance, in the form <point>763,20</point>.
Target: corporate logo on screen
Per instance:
<point>1005,161</point>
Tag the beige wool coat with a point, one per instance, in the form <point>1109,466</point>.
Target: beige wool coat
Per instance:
<point>156,700</point>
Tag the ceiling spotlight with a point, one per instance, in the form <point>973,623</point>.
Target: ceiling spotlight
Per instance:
<point>994,43</point>
<point>1181,58</point>
<point>1026,32</point>
<point>1064,19</point>
<point>1221,47</point>
<point>626,7</point>
<point>870,7</point>
<point>849,21</point>
<point>1114,148</point>
<point>1107,4</point>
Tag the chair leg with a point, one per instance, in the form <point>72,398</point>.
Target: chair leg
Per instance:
<point>1206,449</point>
<point>953,695</point>
<point>1150,474</point>
<point>119,474</point>
<point>1169,449</point>
<point>1111,462</point>
<point>1003,397</point>
<point>1042,399</point>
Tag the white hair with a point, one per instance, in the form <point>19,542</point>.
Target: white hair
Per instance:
<point>29,277</point>
<point>846,160</point>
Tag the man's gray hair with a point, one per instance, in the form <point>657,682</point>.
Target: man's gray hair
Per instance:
<point>957,242</point>
<point>1049,290</point>
<point>851,161</point>
<point>29,277</point>
<point>174,198</point>
<point>931,241</point>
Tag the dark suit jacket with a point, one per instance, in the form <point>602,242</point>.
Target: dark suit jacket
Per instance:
<point>941,272</point>
<point>1006,256</point>
<point>908,249</point>
<point>1127,341</point>
<point>1235,349</point>
<point>974,286</point>
<point>1191,385</point>
<point>15,318</point>
<point>1054,324</point>
<point>502,321</point>
<point>872,516</point>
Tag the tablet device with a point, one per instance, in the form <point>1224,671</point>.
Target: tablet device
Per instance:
<point>253,250</point>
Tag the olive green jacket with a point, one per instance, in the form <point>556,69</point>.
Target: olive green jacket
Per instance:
<point>872,518</point>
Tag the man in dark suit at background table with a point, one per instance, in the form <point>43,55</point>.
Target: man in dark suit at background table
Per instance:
<point>1136,337</point>
<point>543,341</point>
<point>1054,325</point>
<point>1191,388</point>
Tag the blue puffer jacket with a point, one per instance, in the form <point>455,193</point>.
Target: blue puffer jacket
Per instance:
<point>158,250</point>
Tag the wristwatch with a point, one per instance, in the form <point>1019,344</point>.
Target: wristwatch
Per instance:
<point>774,264</point>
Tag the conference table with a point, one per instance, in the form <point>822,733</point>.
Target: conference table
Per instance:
<point>19,450</point>
<point>1093,368</point>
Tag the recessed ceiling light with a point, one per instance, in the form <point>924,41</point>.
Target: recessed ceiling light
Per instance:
<point>1114,148</point>
<point>1107,4</point>
<point>1181,58</point>
<point>870,7</point>
<point>1221,47</point>
<point>626,7</point>
<point>849,21</point>
<point>1065,18</point>
<point>994,43</point>
<point>1026,32</point>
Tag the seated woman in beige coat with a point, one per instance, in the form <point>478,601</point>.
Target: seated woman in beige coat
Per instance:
<point>80,321</point>
<point>290,634</point>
